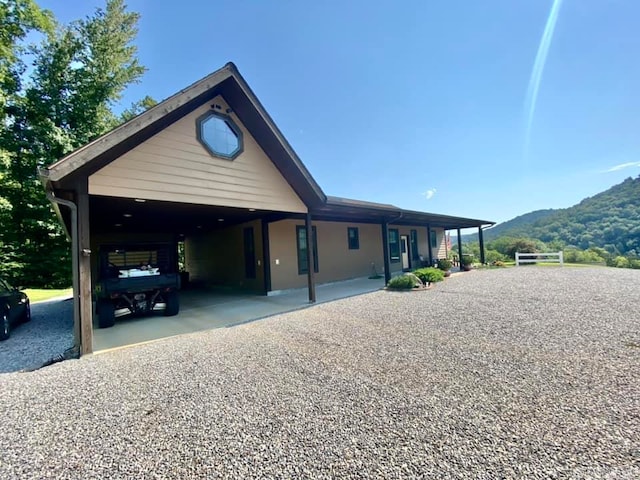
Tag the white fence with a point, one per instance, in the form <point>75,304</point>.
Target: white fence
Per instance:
<point>556,257</point>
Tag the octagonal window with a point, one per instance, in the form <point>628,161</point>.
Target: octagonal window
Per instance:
<point>219,135</point>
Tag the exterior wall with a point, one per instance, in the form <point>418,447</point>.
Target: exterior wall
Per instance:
<point>335,260</point>
<point>173,166</point>
<point>441,250</point>
<point>396,267</point>
<point>217,258</point>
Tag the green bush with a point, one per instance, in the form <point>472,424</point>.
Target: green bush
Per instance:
<point>467,259</point>
<point>401,282</point>
<point>444,264</point>
<point>621,262</point>
<point>493,256</point>
<point>429,275</point>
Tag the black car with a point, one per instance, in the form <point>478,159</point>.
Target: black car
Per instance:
<point>14,308</point>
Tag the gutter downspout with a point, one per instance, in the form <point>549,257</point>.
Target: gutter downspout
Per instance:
<point>74,259</point>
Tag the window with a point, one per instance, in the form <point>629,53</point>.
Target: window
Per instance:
<point>219,135</point>
<point>394,245</point>
<point>301,240</point>
<point>353,238</point>
<point>434,239</point>
<point>414,245</point>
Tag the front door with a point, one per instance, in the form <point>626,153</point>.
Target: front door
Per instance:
<point>404,251</point>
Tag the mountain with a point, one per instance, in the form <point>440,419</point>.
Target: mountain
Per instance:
<point>610,219</point>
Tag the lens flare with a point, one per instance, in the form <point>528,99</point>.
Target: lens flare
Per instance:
<point>536,74</point>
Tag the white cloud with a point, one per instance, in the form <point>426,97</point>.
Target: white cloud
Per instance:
<point>430,193</point>
<point>622,166</point>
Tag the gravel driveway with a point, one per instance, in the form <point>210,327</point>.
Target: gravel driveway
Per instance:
<point>47,335</point>
<point>527,372</point>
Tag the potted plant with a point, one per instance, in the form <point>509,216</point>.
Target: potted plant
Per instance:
<point>466,262</point>
<point>444,264</point>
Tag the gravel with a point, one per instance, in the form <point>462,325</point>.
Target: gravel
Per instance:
<point>528,372</point>
<point>47,335</point>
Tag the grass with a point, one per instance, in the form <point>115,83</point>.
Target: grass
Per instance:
<point>40,294</point>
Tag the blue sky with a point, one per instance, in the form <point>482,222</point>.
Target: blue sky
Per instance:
<point>421,104</point>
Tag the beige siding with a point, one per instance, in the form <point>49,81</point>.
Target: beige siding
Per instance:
<point>396,267</point>
<point>217,259</point>
<point>173,166</point>
<point>441,250</point>
<point>336,261</point>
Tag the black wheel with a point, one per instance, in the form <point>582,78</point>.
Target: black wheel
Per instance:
<point>173,304</point>
<point>5,326</point>
<point>106,313</point>
<point>26,316</point>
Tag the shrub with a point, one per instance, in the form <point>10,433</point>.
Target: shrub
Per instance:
<point>402,282</point>
<point>492,256</point>
<point>444,264</point>
<point>467,259</point>
<point>429,275</point>
<point>499,263</point>
<point>621,262</point>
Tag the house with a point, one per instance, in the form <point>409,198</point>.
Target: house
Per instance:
<point>209,167</point>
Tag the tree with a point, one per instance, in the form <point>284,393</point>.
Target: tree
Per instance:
<point>79,72</point>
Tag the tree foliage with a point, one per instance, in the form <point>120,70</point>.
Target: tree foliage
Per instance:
<point>79,72</point>
<point>609,220</point>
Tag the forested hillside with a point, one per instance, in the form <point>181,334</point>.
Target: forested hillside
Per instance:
<point>516,226</point>
<point>610,220</point>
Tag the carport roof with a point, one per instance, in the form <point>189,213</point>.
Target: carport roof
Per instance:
<point>227,81</point>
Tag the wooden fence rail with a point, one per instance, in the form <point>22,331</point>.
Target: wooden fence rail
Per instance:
<point>556,257</point>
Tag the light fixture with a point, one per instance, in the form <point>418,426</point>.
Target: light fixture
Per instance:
<point>117,225</point>
<point>140,200</point>
<point>252,209</point>
<point>127,215</point>
<point>221,219</point>
<point>199,226</point>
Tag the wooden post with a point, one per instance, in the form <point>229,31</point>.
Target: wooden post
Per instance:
<point>84,269</point>
<point>481,241</point>
<point>266,256</point>
<point>385,252</point>
<point>459,250</point>
<point>429,244</point>
<point>310,261</point>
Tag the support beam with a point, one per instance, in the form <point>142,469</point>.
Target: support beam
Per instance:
<point>266,256</point>
<point>310,260</point>
<point>385,252</point>
<point>459,249</point>
<point>84,269</point>
<point>481,241</point>
<point>429,245</point>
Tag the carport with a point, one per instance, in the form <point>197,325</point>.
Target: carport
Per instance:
<point>208,169</point>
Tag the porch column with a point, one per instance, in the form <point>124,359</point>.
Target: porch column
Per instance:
<point>84,269</point>
<point>459,249</point>
<point>481,241</point>
<point>266,256</point>
<point>310,264</point>
<point>385,252</point>
<point>429,245</point>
